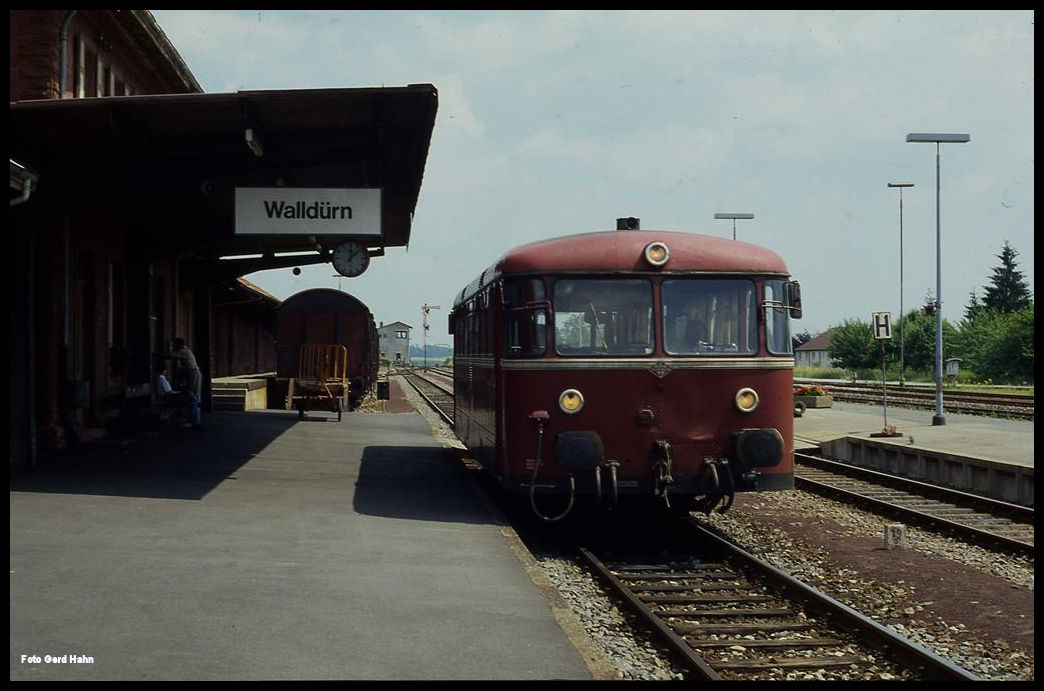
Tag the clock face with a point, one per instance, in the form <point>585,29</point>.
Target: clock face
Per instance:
<point>350,259</point>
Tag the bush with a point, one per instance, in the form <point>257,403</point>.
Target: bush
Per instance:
<point>998,346</point>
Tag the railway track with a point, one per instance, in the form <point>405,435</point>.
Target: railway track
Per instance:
<point>923,398</point>
<point>732,616</point>
<point>736,617</point>
<point>434,389</point>
<point>973,518</point>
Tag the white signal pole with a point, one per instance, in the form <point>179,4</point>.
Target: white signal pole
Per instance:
<point>425,309</point>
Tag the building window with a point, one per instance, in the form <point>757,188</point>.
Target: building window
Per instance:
<point>402,334</point>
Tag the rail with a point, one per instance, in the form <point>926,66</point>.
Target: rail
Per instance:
<point>997,523</point>
<point>923,398</point>
<point>707,611</point>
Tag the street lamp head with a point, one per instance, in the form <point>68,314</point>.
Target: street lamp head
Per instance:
<point>746,216</point>
<point>936,137</point>
<point>900,184</point>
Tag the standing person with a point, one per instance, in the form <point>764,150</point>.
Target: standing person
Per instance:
<point>176,398</point>
<point>189,367</point>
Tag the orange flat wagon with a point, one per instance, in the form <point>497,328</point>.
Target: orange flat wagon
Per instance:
<point>322,379</point>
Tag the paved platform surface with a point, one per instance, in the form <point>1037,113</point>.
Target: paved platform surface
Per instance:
<point>265,547</point>
<point>1004,441</point>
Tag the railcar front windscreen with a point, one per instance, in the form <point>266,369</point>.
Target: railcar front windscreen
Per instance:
<point>603,317</point>
<point>709,316</point>
<point>525,318</point>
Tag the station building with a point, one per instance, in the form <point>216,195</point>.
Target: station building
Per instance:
<point>138,203</point>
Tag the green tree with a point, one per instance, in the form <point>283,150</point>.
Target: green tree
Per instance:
<point>919,351</point>
<point>1007,291</point>
<point>998,346</point>
<point>972,307</point>
<point>852,345</point>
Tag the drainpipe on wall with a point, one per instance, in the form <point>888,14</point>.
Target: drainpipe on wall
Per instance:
<point>63,53</point>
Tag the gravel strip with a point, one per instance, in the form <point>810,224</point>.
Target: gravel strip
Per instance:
<point>884,601</point>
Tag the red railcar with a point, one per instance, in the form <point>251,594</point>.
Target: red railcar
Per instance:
<point>628,362</point>
<point>326,316</point>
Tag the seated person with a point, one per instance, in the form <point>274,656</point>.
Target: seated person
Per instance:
<point>173,399</point>
<point>696,336</point>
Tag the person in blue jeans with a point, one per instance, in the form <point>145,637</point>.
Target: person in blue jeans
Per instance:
<point>173,399</point>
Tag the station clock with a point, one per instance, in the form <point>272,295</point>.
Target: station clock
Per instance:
<point>350,259</point>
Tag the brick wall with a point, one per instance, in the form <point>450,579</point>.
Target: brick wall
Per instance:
<point>34,53</point>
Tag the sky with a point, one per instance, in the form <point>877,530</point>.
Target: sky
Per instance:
<point>559,122</point>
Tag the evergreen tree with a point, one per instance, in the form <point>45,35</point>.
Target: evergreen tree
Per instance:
<point>973,307</point>
<point>1007,291</point>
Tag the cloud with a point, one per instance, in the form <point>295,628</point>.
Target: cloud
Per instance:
<point>554,122</point>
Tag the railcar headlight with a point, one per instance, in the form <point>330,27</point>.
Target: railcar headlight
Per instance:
<point>746,400</point>
<point>657,254</point>
<point>571,401</point>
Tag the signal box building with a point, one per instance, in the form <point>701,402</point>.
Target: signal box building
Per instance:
<point>137,201</point>
<point>394,343</point>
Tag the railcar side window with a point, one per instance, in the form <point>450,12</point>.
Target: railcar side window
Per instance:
<point>525,317</point>
<point>703,316</point>
<point>777,320</point>
<point>605,317</point>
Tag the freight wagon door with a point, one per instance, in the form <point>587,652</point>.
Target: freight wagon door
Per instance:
<point>288,328</point>
<point>295,329</point>
<point>352,335</point>
<point>320,328</point>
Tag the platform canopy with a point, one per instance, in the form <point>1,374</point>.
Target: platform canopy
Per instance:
<point>170,165</point>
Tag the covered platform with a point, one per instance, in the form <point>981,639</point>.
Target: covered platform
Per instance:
<point>136,217</point>
<point>268,547</point>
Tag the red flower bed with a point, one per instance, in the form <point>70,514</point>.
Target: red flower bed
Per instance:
<point>813,390</point>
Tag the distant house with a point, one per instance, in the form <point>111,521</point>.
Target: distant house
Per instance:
<point>394,342</point>
<point>815,352</point>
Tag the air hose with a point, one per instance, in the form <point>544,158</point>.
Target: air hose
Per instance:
<point>536,468</point>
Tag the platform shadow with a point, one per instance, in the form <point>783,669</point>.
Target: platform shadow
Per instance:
<point>166,463</point>
<point>425,483</point>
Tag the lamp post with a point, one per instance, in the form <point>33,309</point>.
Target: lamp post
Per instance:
<point>734,217</point>
<point>902,339</point>
<point>937,139</point>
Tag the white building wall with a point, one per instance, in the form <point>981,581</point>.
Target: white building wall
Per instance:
<point>393,341</point>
